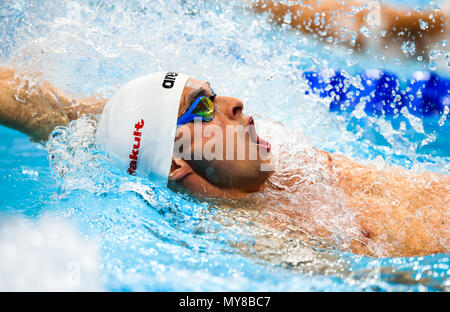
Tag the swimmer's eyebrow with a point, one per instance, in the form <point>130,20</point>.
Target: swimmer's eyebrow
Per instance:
<point>194,95</point>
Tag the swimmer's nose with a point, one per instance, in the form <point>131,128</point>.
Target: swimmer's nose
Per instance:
<point>234,108</point>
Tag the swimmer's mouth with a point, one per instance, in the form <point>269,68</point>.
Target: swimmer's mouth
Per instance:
<point>255,138</point>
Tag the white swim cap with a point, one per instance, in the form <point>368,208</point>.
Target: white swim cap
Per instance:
<point>138,123</point>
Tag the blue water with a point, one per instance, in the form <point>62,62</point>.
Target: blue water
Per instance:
<point>147,237</point>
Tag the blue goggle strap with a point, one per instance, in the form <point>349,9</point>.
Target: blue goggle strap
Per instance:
<point>188,116</point>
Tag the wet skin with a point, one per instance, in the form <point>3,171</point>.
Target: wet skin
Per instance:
<point>404,212</point>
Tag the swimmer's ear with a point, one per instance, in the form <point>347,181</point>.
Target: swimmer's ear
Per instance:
<point>179,169</point>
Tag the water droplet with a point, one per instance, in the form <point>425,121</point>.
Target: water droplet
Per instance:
<point>432,65</point>
<point>402,126</point>
<point>423,25</point>
<point>434,54</point>
<point>409,47</point>
<point>365,31</point>
<point>435,6</point>
<point>288,18</point>
<point>444,116</point>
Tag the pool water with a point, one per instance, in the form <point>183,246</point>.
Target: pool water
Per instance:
<point>70,219</point>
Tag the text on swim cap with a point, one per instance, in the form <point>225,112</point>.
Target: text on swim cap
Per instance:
<point>135,151</point>
<point>169,80</point>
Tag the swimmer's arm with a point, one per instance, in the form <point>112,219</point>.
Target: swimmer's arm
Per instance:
<point>36,109</point>
<point>339,20</point>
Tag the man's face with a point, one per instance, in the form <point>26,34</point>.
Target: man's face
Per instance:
<point>225,151</point>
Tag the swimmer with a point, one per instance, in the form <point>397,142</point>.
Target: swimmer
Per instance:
<point>361,25</point>
<point>405,212</point>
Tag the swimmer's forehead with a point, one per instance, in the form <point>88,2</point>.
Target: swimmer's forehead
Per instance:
<point>193,88</point>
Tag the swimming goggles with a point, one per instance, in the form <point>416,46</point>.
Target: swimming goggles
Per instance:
<point>203,107</point>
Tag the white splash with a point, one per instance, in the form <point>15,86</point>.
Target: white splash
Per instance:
<point>46,256</point>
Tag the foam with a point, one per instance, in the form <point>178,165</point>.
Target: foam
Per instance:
<point>47,255</point>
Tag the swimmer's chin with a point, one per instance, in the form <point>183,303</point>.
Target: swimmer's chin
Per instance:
<point>196,185</point>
